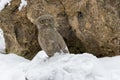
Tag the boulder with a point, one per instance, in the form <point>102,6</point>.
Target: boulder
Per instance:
<point>86,25</point>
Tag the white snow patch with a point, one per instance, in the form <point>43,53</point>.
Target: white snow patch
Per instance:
<point>68,67</point>
<point>3,3</point>
<point>2,42</point>
<point>22,4</point>
<point>59,67</point>
<point>12,67</point>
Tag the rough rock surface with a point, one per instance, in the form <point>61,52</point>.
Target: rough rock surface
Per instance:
<point>96,23</point>
<point>20,34</point>
<point>86,25</point>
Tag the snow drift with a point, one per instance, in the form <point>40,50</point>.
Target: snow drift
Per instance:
<point>59,67</point>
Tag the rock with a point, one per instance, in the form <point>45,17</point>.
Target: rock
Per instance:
<point>87,25</point>
<point>20,34</point>
<point>96,23</point>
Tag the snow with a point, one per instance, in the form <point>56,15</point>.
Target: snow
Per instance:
<point>2,42</point>
<point>68,67</point>
<point>59,67</point>
<point>3,3</point>
<point>11,67</point>
<point>22,4</point>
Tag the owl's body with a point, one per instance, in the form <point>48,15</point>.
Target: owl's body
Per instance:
<point>49,39</point>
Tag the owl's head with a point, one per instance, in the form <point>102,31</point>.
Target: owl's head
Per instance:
<point>45,21</point>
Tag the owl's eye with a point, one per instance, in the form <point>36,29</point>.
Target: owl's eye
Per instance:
<point>42,21</point>
<point>49,20</point>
